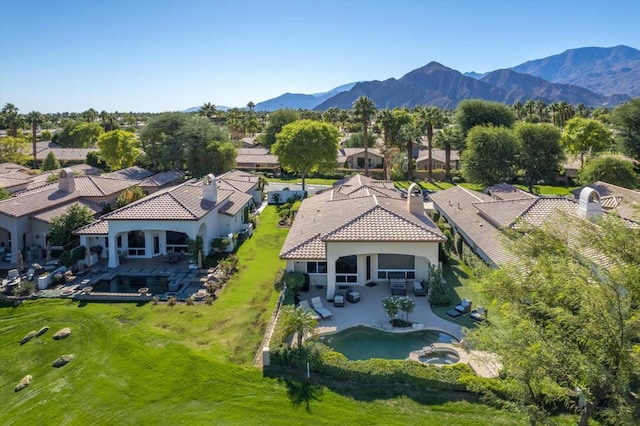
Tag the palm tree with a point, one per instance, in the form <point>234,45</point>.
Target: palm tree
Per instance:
<point>430,118</point>
<point>409,133</point>
<point>251,106</point>
<point>36,119</point>
<point>363,110</point>
<point>517,106</point>
<point>450,137</point>
<point>299,321</point>
<point>529,106</point>
<point>11,118</point>
<point>387,120</point>
<point>540,107</point>
<point>90,115</point>
<point>104,116</point>
<point>207,110</point>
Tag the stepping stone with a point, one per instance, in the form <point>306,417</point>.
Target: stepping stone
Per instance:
<point>62,333</point>
<point>30,335</point>
<point>42,331</point>
<point>62,360</point>
<point>23,383</point>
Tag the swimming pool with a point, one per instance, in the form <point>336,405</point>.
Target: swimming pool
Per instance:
<point>358,343</point>
<point>157,284</point>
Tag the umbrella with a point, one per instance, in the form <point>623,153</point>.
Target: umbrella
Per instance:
<point>199,259</point>
<point>20,262</point>
<point>88,254</point>
<point>48,254</point>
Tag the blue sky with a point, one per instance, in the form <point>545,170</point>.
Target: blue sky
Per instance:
<point>165,55</point>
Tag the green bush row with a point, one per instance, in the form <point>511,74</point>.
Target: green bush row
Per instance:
<point>324,361</point>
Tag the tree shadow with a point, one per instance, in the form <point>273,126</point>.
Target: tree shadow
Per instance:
<point>302,393</point>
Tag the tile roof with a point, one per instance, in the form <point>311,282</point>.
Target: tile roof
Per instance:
<point>543,208</point>
<point>623,201</point>
<point>460,206</point>
<point>161,179</point>
<point>503,212</point>
<point>354,213</point>
<point>48,215</point>
<point>185,202</point>
<point>11,168</point>
<point>49,195</point>
<point>130,173</point>
<point>504,191</point>
<point>10,180</point>
<point>100,227</point>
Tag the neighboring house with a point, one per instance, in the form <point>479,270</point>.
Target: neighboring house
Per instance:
<point>438,159</point>
<point>160,223</point>
<point>616,199</point>
<point>148,181</point>
<point>43,148</point>
<point>25,217</point>
<point>480,219</point>
<point>360,232</point>
<point>353,158</point>
<point>256,158</point>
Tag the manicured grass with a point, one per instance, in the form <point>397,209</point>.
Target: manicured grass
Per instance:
<point>549,190</point>
<point>308,181</point>
<point>462,285</point>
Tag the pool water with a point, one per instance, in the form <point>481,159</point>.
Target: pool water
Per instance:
<point>359,343</point>
<point>131,284</point>
<point>439,358</point>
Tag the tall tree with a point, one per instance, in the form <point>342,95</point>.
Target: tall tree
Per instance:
<point>207,110</point>
<point>14,150</point>
<point>476,112</point>
<point>119,149</point>
<point>490,155</point>
<point>626,117</point>
<point>277,120</point>
<point>307,146</point>
<point>85,135</point>
<point>614,170</point>
<point>568,331</point>
<point>449,138</point>
<point>539,151</point>
<point>90,115</point>
<point>363,110</point>
<point>585,136</point>
<point>388,122</point>
<point>160,143</point>
<point>35,119</point>
<point>206,148</point>
<point>10,118</point>
<point>431,118</point>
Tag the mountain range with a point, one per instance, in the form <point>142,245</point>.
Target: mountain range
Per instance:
<point>594,76</point>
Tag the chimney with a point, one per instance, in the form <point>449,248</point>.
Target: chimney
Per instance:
<point>66,181</point>
<point>414,202</point>
<point>210,188</point>
<point>589,205</point>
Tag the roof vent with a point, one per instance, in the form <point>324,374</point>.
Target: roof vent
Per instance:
<point>66,181</point>
<point>210,188</point>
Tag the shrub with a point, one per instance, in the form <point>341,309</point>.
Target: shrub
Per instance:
<point>172,300</point>
<point>220,244</point>
<point>438,293</point>
<point>26,288</point>
<point>155,300</point>
<point>190,301</point>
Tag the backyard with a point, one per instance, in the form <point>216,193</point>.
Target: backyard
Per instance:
<point>190,364</point>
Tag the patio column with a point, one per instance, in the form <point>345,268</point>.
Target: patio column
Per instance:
<point>113,252</point>
<point>331,277</point>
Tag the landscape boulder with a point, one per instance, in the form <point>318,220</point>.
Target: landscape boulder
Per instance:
<point>62,360</point>
<point>30,335</point>
<point>23,383</point>
<point>62,333</point>
<point>42,331</point>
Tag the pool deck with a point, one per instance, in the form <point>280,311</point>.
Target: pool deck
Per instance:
<point>369,311</point>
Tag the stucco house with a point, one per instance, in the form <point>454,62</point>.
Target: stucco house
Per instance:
<point>481,218</point>
<point>160,223</point>
<point>359,232</point>
<point>353,158</point>
<point>25,217</point>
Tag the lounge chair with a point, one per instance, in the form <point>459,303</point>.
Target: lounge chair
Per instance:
<point>478,314</point>
<point>319,308</point>
<point>304,305</point>
<point>460,309</point>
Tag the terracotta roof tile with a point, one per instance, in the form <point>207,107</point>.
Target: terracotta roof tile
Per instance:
<point>100,227</point>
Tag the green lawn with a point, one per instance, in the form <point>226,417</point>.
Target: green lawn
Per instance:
<point>462,285</point>
<point>145,364</point>
<point>308,181</point>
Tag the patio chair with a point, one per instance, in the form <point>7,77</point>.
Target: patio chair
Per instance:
<point>320,309</point>
<point>338,300</point>
<point>464,307</point>
<point>478,314</point>
<point>304,305</point>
